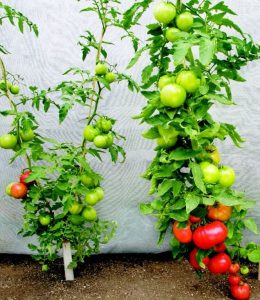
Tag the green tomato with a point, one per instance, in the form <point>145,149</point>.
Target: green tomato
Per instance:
<point>45,219</point>
<point>104,124</point>
<point>90,133</point>
<point>188,80</point>
<point>101,69</point>
<point>172,34</point>
<point>173,95</point>
<point>164,12</point>
<point>27,135</point>
<point>5,87</point>
<point>210,172</point>
<point>110,140</point>
<point>165,80</point>
<point>170,142</point>
<point>110,77</point>
<point>244,270</point>
<point>45,268</point>
<point>92,198</point>
<point>100,141</point>
<point>8,141</point>
<point>75,208</point>
<point>76,220</point>
<point>184,21</point>
<point>227,176</point>
<point>100,192</point>
<point>89,214</point>
<point>14,89</point>
<point>8,189</point>
<point>88,181</point>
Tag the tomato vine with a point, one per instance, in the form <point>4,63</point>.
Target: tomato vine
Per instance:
<point>193,58</point>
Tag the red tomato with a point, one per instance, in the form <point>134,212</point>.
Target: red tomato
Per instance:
<point>193,260</point>
<point>194,219</point>
<point>234,279</point>
<point>24,176</point>
<point>18,190</point>
<point>208,236</point>
<point>183,235</point>
<point>234,268</point>
<point>241,291</point>
<point>220,248</point>
<point>219,212</point>
<point>220,263</point>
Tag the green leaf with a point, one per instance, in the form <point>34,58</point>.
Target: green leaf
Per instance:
<point>223,7</point>
<point>180,52</point>
<point>157,204</point>
<point>207,50</point>
<point>183,154</point>
<point>151,134</point>
<point>192,201</point>
<point>146,74</point>
<point>179,215</point>
<point>197,176</point>
<point>145,209</point>
<point>254,256</point>
<point>176,188</point>
<point>251,225</point>
<point>136,57</point>
<point>220,98</point>
<point>165,186</point>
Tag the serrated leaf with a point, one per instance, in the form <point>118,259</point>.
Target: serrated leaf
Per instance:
<point>180,52</point>
<point>165,186</point>
<point>151,134</point>
<point>254,256</point>
<point>138,54</point>
<point>207,50</point>
<point>197,176</point>
<point>192,201</point>
<point>183,154</point>
<point>145,209</point>
<point>251,225</point>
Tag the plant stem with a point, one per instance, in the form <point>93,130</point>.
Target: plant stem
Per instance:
<point>191,57</point>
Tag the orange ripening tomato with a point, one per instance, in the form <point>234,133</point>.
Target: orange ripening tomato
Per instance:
<point>183,235</point>
<point>219,213</point>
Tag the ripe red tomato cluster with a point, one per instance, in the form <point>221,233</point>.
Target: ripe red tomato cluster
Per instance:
<point>239,290</point>
<point>207,237</point>
<point>19,190</point>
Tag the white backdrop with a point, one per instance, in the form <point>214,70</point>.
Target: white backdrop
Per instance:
<point>41,61</point>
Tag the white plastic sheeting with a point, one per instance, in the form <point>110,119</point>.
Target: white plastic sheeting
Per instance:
<point>41,61</point>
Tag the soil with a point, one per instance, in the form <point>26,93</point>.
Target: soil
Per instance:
<point>129,276</point>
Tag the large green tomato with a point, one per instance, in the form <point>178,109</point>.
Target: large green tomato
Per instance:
<point>172,34</point>
<point>75,208</point>
<point>14,89</point>
<point>227,176</point>
<point>164,12</point>
<point>101,69</point>
<point>184,21</point>
<point>90,133</point>
<point>45,219</point>
<point>110,140</point>
<point>8,141</point>
<point>188,80</point>
<point>173,95</point>
<point>100,192</point>
<point>110,77</point>
<point>210,172</point>
<point>88,181</point>
<point>76,220</point>
<point>104,124</point>
<point>89,214</point>
<point>100,141</point>
<point>167,143</point>
<point>165,80</point>
<point>27,135</point>
<point>92,198</point>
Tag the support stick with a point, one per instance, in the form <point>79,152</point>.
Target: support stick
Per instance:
<point>258,271</point>
<point>67,258</point>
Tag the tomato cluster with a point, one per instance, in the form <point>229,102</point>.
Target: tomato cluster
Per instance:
<point>19,190</point>
<point>101,133</point>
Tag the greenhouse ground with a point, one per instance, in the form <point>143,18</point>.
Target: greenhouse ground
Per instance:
<point>114,277</point>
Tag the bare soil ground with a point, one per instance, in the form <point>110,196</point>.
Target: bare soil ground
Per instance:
<point>114,277</point>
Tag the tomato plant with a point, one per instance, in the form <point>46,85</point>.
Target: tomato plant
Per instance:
<point>59,187</point>
<point>194,56</point>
